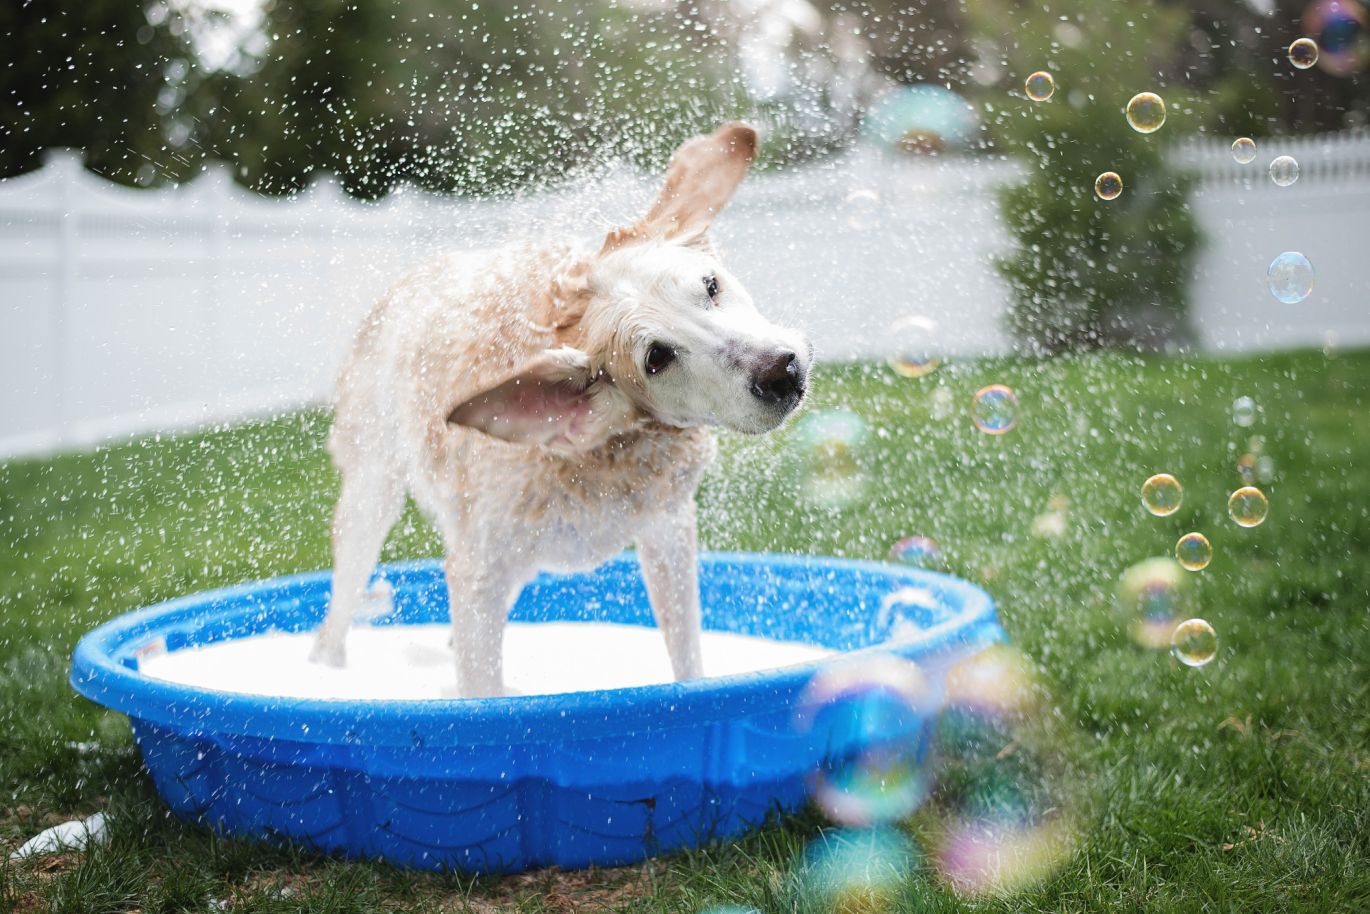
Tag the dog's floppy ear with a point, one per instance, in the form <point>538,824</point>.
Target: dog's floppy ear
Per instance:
<point>700,180</point>
<point>551,402</point>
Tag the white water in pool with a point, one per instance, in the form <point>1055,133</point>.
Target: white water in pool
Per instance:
<point>414,661</point>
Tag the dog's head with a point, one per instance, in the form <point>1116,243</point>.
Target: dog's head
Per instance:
<point>656,328</point>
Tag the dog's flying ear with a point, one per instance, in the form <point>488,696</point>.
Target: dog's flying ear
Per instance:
<point>549,402</point>
<point>700,180</point>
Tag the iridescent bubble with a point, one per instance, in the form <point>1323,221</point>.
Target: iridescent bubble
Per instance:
<point>1290,277</point>
<point>1162,495</point>
<point>1244,150</point>
<point>1340,29</point>
<point>988,857</point>
<point>1039,86</point>
<point>1152,595</point>
<point>1146,112</point>
<point>1303,53</point>
<point>829,450</point>
<point>913,339</point>
<point>1246,469</point>
<point>869,719</point>
<point>849,871</point>
<point>1284,170</point>
<point>1108,185</point>
<point>918,552</point>
<point>863,209</point>
<point>1003,805</point>
<point>1248,507</point>
<point>1194,642</point>
<point>1194,551</point>
<point>998,680</point>
<point>995,410</point>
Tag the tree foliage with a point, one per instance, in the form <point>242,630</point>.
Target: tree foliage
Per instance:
<point>1085,272</point>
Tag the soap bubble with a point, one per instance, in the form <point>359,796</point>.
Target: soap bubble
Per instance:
<point>1146,112</point>
<point>1244,411</point>
<point>1246,468</point>
<point>1265,469</point>
<point>1152,595</point>
<point>1340,29</point>
<point>829,449</point>
<point>913,339</point>
<point>1039,86</point>
<point>1244,150</point>
<point>1194,642</point>
<point>1162,495</point>
<point>996,409</point>
<point>917,551</point>
<point>1303,53</point>
<point>863,209</point>
<point>856,871</point>
<point>868,718</point>
<point>998,680</point>
<point>1248,506</point>
<point>1290,277</point>
<point>1108,185</point>
<point>1194,551</point>
<point>1284,170</point>
<point>1002,793</point>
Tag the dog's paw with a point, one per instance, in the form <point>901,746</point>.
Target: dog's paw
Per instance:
<point>328,654</point>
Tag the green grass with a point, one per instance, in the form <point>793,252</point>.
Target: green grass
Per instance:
<point>1265,752</point>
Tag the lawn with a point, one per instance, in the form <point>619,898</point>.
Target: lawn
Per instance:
<point>1243,785</point>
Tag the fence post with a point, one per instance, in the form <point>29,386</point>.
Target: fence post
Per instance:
<point>68,165</point>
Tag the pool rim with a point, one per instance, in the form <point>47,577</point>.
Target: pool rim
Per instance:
<point>526,719</point>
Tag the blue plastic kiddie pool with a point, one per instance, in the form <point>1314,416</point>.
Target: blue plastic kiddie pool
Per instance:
<point>500,785</point>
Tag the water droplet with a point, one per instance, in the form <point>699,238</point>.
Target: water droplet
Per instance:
<point>1244,411</point>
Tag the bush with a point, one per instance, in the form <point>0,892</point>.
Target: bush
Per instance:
<point>1085,272</point>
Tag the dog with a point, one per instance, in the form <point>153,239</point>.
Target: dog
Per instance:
<point>548,406</point>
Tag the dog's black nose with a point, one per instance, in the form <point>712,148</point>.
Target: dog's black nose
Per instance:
<point>778,377</point>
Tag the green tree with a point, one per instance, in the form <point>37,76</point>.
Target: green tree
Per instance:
<point>99,75</point>
<point>1086,272</point>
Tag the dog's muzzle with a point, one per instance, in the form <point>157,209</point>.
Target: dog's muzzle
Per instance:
<point>779,379</point>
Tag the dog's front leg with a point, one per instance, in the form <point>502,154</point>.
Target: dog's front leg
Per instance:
<point>667,551</point>
<point>479,594</point>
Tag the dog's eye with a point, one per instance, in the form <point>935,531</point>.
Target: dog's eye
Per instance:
<point>659,357</point>
<point>711,286</point>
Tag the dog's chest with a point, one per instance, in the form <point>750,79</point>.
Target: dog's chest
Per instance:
<point>585,510</point>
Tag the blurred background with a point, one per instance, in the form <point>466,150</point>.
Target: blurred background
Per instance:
<point>198,198</point>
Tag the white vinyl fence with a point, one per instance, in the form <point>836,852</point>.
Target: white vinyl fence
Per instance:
<point>124,311</point>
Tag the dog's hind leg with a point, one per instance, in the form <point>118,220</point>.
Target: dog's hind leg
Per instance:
<point>369,505</point>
